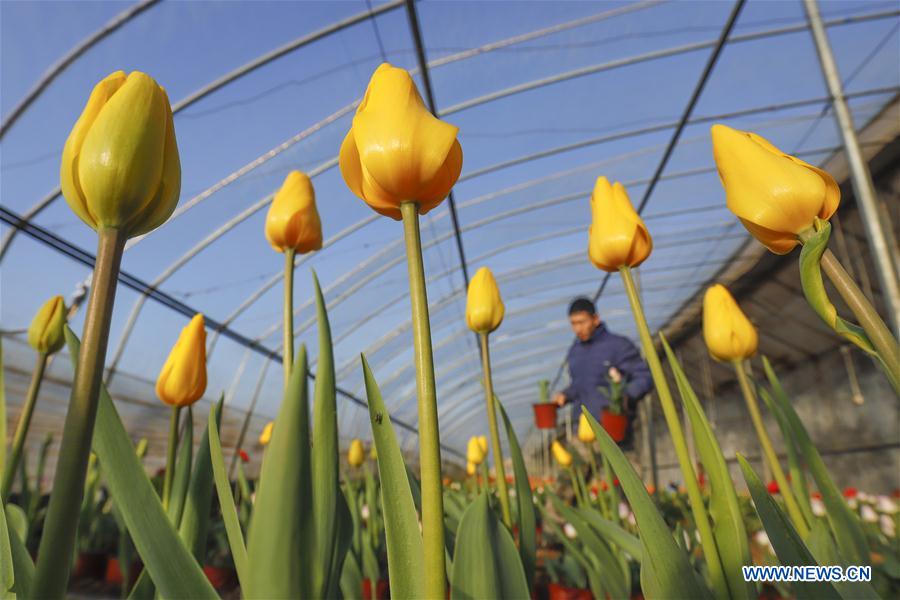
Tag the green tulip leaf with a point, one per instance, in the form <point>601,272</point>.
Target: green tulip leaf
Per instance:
<point>789,547</point>
<point>405,549</point>
<point>668,565</point>
<point>169,562</point>
<point>728,521</point>
<point>17,557</point>
<point>525,519</point>
<point>614,533</point>
<point>195,519</point>
<point>824,550</point>
<point>486,563</point>
<point>7,573</point>
<point>577,552</point>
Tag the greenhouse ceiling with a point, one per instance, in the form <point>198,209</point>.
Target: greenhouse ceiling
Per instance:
<point>547,95</point>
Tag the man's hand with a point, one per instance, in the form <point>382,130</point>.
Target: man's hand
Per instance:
<point>559,398</point>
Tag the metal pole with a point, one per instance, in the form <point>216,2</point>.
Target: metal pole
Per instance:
<point>863,187</point>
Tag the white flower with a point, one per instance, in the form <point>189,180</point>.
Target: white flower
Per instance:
<point>886,505</point>
<point>888,527</point>
<point>631,519</point>
<point>852,503</point>
<point>762,539</point>
<point>570,532</point>
<point>864,497</point>
<point>818,507</point>
<point>624,511</point>
<point>868,514</point>
<point>364,512</point>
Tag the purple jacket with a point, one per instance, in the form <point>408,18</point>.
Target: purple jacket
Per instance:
<point>589,363</point>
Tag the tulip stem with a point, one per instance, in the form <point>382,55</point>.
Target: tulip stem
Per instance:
<point>701,518</point>
<point>61,524</point>
<point>23,425</point>
<point>434,577</point>
<point>495,432</point>
<point>766,442</point>
<point>288,349</point>
<point>170,455</point>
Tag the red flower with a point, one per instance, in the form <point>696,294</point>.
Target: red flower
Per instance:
<point>772,487</point>
<point>616,482</point>
<point>701,478</point>
<point>850,492</point>
<point>594,489</point>
<point>817,495</point>
<point>244,456</point>
<point>603,485</point>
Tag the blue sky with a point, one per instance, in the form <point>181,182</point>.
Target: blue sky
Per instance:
<point>185,45</point>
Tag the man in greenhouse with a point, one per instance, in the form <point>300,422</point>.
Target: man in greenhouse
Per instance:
<point>606,371</point>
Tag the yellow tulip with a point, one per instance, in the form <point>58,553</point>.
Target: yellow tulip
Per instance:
<point>483,444</point>
<point>476,451</point>
<point>182,380</point>
<point>585,432</point>
<point>356,455</point>
<point>396,150</point>
<point>775,195</point>
<point>470,467</point>
<point>729,334</point>
<point>484,308</point>
<point>293,221</point>
<point>120,166</point>
<point>45,334</point>
<point>617,235</point>
<point>266,434</point>
<point>561,455</point>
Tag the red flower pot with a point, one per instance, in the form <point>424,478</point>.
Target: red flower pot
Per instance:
<point>219,577</point>
<point>545,415</point>
<point>561,592</point>
<point>90,565</point>
<point>382,590</point>
<point>114,574</point>
<point>615,425</point>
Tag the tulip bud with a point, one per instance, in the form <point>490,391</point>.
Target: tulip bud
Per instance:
<point>182,380</point>
<point>45,334</point>
<point>775,195</point>
<point>484,308</point>
<point>585,431</point>
<point>561,455</point>
<point>266,434</point>
<point>729,334</point>
<point>120,166</point>
<point>470,467</point>
<point>356,454</point>
<point>396,151</point>
<point>475,452</point>
<point>293,221</point>
<point>617,235</point>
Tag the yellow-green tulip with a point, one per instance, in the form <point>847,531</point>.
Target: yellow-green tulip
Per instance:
<point>471,467</point>
<point>476,450</point>
<point>585,431</point>
<point>396,150</point>
<point>45,334</point>
<point>182,380</point>
<point>484,308</point>
<point>561,455</point>
<point>120,166</point>
<point>775,195</point>
<point>356,455</point>
<point>266,434</point>
<point>728,332</point>
<point>617,235</point>
<point>293,221</point>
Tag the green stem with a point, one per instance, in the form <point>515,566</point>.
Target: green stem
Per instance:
<point>865,313</point>
<point>601,495</point>
<point>717,574</point>
<point>766,442</point>
<point>170,455</point>
<point>485,478</point>
<point>288,349</point>
<point>434,577</point>
<point>495,432</point>
<point>58,542</point>
<point>24,423</point>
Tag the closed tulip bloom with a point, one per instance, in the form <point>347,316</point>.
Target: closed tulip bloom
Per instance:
<point>470,468</point>
<point>293,221</point>
<point>45,334</point>
<point>483,444</point>
<point>120,167</point>
<point>182,380</point>
<point>585,431</point>
<point>728,332</point>
<point>396,150</point>
<point>775,195</point>
<point>561,455</point>
<point>617,235</point>
<point>356,454</point>
<point>484,308</point>
<point>266,434</point>
<point>475,452</point>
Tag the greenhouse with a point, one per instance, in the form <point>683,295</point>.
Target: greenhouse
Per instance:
<point>446,299</point>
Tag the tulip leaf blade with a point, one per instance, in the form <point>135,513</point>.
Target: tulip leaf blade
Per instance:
<point>169,562</point>
<point>525,518</point>
<point>614,533</point>
<point>195,519</point>
<point>667,563</point>
<point>789,547</point>
<point>18,559</point>
<point>7,572</point>
<point>405,548</point>
<point>486,563</point>
<point>724,508</point>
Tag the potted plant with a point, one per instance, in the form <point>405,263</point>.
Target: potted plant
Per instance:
<point>219,566</point>
<point>613,416</point>
<point>545,411</point>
